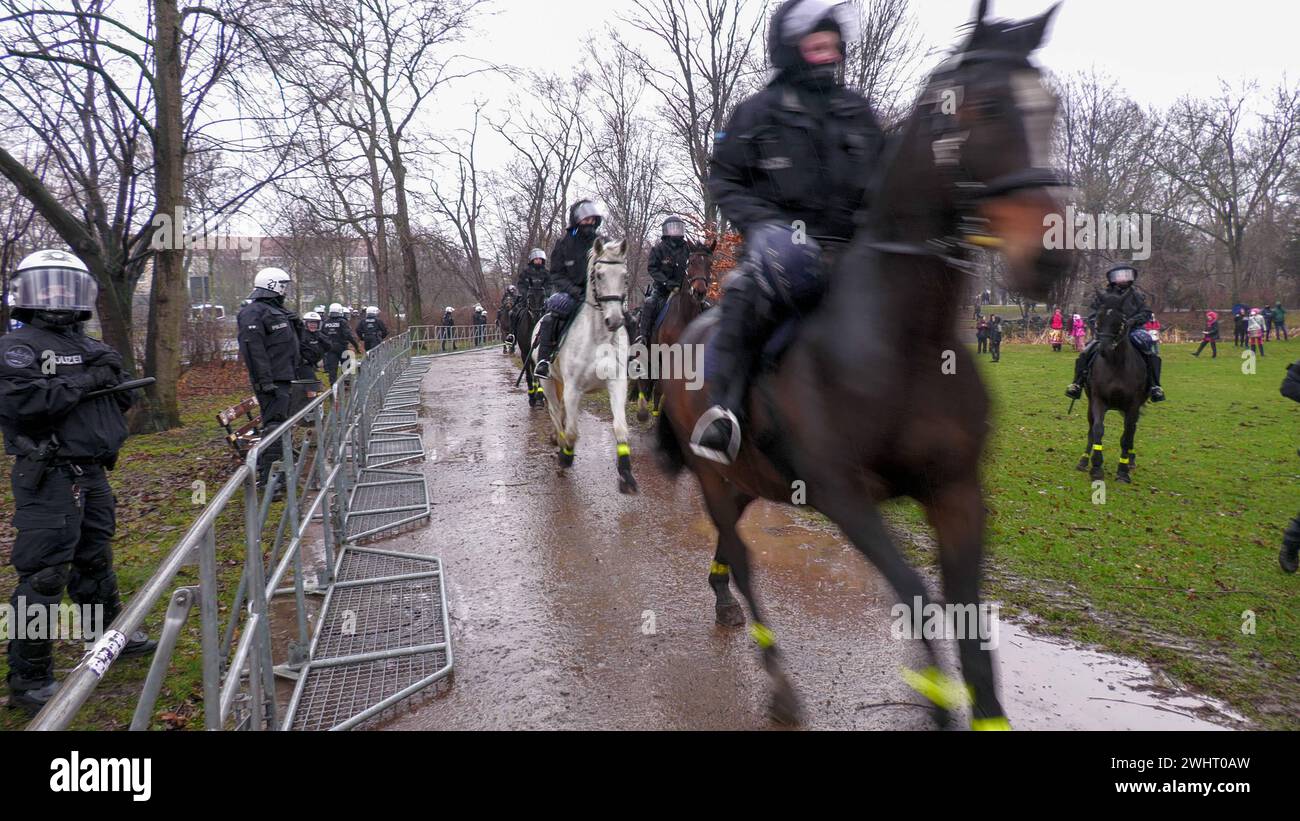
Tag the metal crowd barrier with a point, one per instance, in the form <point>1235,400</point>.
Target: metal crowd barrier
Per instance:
<point>324,447</point>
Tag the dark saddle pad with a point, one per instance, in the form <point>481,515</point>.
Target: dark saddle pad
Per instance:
<point>787,330</point>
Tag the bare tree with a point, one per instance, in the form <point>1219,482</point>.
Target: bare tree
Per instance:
<point>881,62</point>
<point>710,46</point>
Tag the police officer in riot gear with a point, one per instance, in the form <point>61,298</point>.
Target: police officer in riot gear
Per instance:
<point>311,349</point>
<point>64,508</point>
<point>1120,282</point>
<point>339,337</point>
<point>271,350</point>
<point>480,324</point>
<point>371,329</point>
<point>449,327</point>
<point>667,268</point>
<point>790,171</point>
<point>568,279</point>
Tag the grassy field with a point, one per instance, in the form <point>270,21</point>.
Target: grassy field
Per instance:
<point>1173,566</point>
<point>152,483</point>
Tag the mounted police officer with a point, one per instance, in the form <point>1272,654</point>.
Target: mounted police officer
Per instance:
<point>568,279</point>
<point>338,334</point>
<point>534,280</point>
<point>372,329</point>
<point>1119,284</point>
<point>65,513</point>
<point>667,269</point>
<point>271,350</point>
<point>790,171</point>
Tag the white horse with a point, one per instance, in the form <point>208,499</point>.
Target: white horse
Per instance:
<point>592,355</point>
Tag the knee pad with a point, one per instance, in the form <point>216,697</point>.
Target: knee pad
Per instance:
<point>49,581</point>
<point>790,264</point>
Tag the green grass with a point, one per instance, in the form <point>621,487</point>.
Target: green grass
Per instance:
<point>1167,566</point>
<point>152,483</point>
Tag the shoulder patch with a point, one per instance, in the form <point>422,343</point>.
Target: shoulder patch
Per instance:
<point>20,356</point>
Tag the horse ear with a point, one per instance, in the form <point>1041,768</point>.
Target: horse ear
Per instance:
<point>713,246</point>
<point>599,246</point>
<point>1038,29</point>
<point>981,11</point>
<point>620,249</point>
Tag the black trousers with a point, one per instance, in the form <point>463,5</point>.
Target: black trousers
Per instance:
<point>64,542</point>
<point>331,361</point>
<point>1214,348</point>
<point>995,348</point>
<point>983,345</point>
<point>275,410</point>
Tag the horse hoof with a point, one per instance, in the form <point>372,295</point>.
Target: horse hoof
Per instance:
<point>1097,473</point>
<point>1123,477</point>
<point>784,708</point>
<point>1289,560</point>
<point>1083,464</point>
<point>626,484</point>
<point>642,415</point>
<point>729,615</point>
<point>566,459</point>
<point>942,718</point>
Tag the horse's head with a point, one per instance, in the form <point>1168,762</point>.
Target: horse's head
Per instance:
<point>699,268</point>
<point>1112,326</point>
<point>990,121</point>
<point>609,280</point>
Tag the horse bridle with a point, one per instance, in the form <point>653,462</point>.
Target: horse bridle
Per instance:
<point>948,143</point>
<point>608,297</point>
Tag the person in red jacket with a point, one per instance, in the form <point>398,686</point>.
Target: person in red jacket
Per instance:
<point>1057,336</point>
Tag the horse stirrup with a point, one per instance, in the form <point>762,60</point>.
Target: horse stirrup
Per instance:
<point>710,416</point>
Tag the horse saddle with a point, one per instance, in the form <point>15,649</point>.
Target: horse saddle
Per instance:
<point>778,342</point>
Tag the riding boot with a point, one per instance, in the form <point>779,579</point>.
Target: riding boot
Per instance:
<point>746,318</point>
<point>1153,374</point>
<point>649,310</point>
<point>545,346</point>
<point>1080,373</point>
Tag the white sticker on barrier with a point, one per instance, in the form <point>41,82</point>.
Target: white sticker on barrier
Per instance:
<point>106,650</point>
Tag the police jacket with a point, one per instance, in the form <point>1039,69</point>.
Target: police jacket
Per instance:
<point>338,334</point>
<point>45,371</point>
<point>372,329</point>
<point>792,154</point>
<point>312,347</point>
<point>268,341</point>
<point>668,261</point>
<point>569,263</point>
<point>533,279</point>
<point>1134,304</point>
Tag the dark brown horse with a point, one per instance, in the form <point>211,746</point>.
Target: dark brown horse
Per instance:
<point>679,309</point>
<point>876,396</point>
<point>522,320</point>
<point>1117,380</point>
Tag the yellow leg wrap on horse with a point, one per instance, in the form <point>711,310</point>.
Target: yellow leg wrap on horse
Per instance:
<point>624,449</point>
<point>932,683</point>
<point>988,724</point>
<point>1097,447</point>
<point>718,569</point>
<point>1123,460</point>
<point>763,637</point>
<point>567,451</point>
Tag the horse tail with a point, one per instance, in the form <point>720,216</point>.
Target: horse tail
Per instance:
<point>671,459</point>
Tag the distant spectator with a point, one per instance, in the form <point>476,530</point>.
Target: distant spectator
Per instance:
<point>1078,332</point>
<point>1255,330</point>
<point>982,336</point>
<point>995,337</point>
<point>1153,330</point>
<point>1239,321</point>
<point>1210,336</point>
<point>1279,321</point>
<point>1057,334</point>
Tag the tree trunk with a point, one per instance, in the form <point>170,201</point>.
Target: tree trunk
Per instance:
<point>167,298</point>
<point>405,240</point>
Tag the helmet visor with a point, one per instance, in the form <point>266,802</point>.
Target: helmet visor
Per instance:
<point>806,15</point>
<point>1122,275</point>
<point>584,210</point>
<point>674,228</point>
<point>55,289</point>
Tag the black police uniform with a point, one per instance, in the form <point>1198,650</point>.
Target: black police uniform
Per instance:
<point>448,334</point>
<point>534,284</point>
<point>64,508</point>
<point>667,268</point>
<point>569,277</point>
<point>372,331</point>
<point>480,323</point>
<point>271,350</point>
<point>339,337</point>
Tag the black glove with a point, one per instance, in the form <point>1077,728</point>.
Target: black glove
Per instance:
<point>97,376</point>
<point>106,358</point>
<point>266,387</point>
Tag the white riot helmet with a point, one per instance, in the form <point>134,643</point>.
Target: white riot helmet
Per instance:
<point>448,310</point>
<point>274,280</point>
<point>54,280</point>
<point>336,309</point>
<point>537,253</point>
<point>373,310</point>
<point>478,309</point>
<point>310,317</point>
<point>582,209</point>
<point>674,226</point>
<point>320,309</point>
